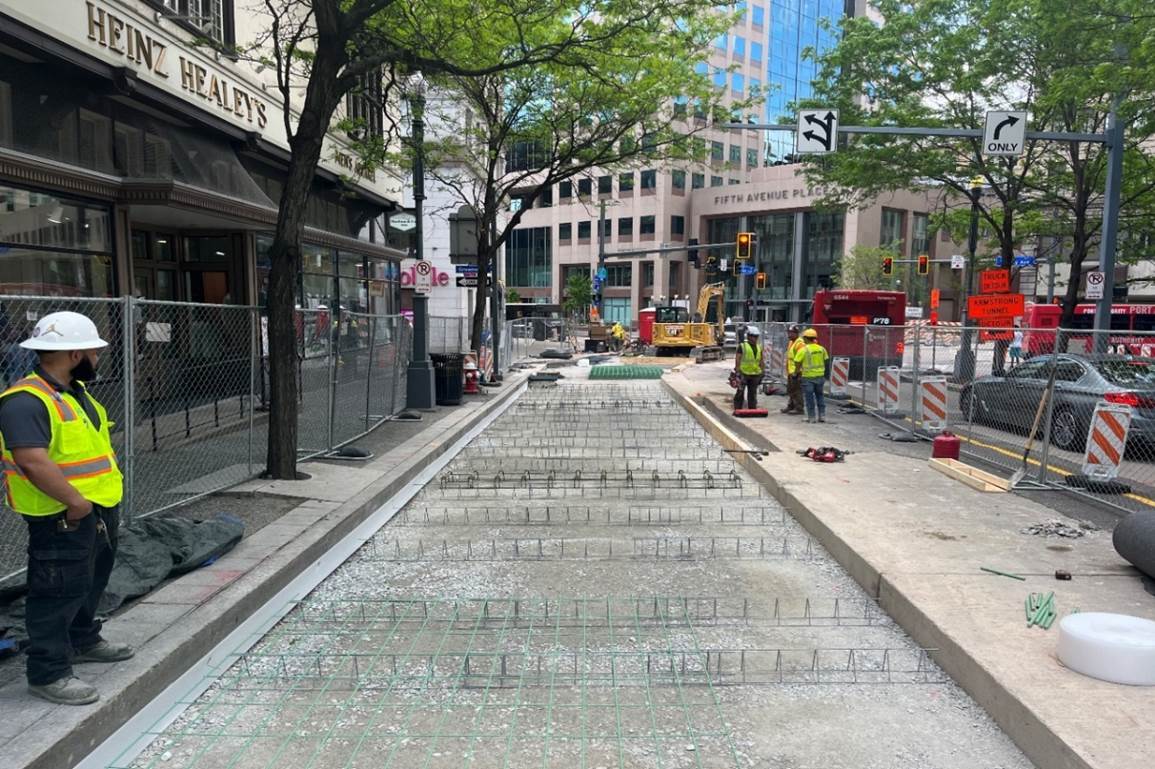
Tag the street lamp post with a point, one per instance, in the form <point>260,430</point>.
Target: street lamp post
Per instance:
<point>419,389</point>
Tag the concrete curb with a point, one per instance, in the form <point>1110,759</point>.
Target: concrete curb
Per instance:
<point>1037,740</point>
<point>290,549</point>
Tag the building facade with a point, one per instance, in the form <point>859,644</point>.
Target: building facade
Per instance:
<point>666,206</point>
<point>133,161</point>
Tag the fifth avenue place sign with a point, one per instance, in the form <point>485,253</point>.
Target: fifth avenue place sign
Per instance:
<point>1005,134</point>
<point>817,131</point>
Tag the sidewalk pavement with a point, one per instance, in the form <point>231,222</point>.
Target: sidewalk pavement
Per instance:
<point>177,624</point>
<point>916,539</point>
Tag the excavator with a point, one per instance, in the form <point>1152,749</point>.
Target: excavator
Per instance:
<point>676,332</point>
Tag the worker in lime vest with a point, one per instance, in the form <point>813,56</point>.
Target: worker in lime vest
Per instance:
<point>749,364</point>
<point>61,476</point>
<point>793,373</point>
<point>811,360</point>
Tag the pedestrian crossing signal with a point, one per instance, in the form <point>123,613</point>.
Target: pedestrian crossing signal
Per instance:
<point>923,264</point>
<point>760,280</point>
<point>887,265</point>
<point>745,245</point>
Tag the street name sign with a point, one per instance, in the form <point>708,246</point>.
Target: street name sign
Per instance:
<point>466,269</point>
<point>817,131</point>
<point>1095,281</point>
<point>1005,133</point>
<point>995,306</point>
<point>994,281</point>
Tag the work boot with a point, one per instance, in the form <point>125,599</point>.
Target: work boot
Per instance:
<point>69,690</point>
<point>105,652</point>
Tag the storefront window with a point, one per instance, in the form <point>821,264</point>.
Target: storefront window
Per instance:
<point>317,287</point>
<point>54,246</point>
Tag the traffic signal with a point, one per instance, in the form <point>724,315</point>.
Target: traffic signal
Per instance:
<point>692,251</point>
<point>887,265</point>
<point>745,245</point>
<point>923,264</point>
<point>760,280</point>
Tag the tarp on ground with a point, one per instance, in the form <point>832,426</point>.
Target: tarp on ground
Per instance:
<point>149,552</point>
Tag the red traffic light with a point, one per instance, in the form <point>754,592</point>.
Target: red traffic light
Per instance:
<point>923,264</point>
<point>887,265</point>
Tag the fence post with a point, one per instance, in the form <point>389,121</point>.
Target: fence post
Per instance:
<point>915,378</point>
<point>1045,459</point>
<point>865,345</point>
<point>255,365</point>
<point>372,320</point>
<point>331,406</point>
<point>129,373</point>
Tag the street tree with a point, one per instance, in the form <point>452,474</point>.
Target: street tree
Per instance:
<point>861,268</point>
<point>945,63</point>
<point>638,102</point>
<point>322,50</point>
<point>579,295</point>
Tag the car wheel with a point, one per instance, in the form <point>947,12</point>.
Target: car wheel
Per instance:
<point>1066,431</point>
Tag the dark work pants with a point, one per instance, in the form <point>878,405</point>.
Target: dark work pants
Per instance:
<point>747,385</point>
<point>794,392</point>
<point>67,574</point>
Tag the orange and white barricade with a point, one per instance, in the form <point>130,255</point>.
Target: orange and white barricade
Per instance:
<point>777,362</point>
<point>933,397</point>
<point>839,377</point>
<point>1106,441</point>
<point>888,389</point>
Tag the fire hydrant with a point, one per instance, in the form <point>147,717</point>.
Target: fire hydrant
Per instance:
<point>472,379</point>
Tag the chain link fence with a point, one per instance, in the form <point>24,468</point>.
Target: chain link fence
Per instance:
<point>1085,411</point>
<point>186,388</point>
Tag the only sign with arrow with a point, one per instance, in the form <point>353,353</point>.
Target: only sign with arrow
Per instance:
<point>1005,133</point>
<point>817,131</point>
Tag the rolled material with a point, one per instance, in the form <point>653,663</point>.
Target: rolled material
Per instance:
<point>1134,540</point>
<point>1111,647</point>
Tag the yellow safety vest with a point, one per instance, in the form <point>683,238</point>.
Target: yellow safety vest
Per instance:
<point>751,364</point>
<point>82,452</point>
<point>812,358</point>
<point>791,351</point>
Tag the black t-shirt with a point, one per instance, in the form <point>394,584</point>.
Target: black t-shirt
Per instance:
<point>24,420</point>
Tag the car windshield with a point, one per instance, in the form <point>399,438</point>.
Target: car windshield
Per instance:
<point>1128,372</point>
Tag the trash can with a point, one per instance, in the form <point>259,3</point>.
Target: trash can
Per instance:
<point>539,330</point>
<point>448,378</point>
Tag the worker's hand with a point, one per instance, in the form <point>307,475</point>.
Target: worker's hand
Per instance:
<point>78,511</point>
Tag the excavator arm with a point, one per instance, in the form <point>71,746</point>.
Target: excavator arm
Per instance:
<point>708,292</point>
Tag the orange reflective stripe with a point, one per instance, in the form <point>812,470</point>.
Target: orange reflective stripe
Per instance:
<point>62,407</point>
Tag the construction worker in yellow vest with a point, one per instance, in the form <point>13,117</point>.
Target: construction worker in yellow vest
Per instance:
<point>793,373</point>
<point>748,361</point>
<point>811,361</point>
<point>61,475</point>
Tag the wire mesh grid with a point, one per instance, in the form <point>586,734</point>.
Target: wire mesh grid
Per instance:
<point>616,515</point>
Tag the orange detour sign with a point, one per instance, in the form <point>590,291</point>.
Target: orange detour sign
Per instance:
<point>1106,441</point>
<point>888,389</point>
<point>933,399</point>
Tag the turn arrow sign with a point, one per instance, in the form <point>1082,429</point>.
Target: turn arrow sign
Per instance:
<point>1009,120</point>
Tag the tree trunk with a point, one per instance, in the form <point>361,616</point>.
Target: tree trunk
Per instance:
<point>484,279</point>
<point>285,260</point>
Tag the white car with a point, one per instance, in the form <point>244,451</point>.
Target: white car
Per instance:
<point>730,335</point>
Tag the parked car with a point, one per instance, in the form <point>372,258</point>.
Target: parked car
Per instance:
<point>730,334</point>
<point>1081,382</point>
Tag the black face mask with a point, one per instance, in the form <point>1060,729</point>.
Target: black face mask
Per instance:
<point>85,371</point>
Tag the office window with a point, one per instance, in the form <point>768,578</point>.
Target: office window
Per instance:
<point>528,258</point>
<point>649,179</point>
<point>647,274</point>
<point>680,108</point>
<point>697,181</point>
<point>626,182</point>
<point>735,181</point>
<point>627,146</point>
<point>545,199</point>
<point>721,42</point>
<point>751,158</point>
<point>605,185</point>
<point>364,104</point>
<point>678,179</point>
<point>584,231</point>
<point>564,232</point>
<point>719,78</point>
<point>739,47</point>
<point>736,154</point>
<point>565,190</point>
<point>717,181</point>
<point>647,225</point>
<point>737,82</point>
<point>919,234</point>
<point>757,15</point>
<point>677,225</point>
<point>620,275</point>
<point>626,226</point>
<point>608,228</point>
<point>755,53</point>
<point>585,187</point>
<point>893,232</point>
<point>210,18</point>
<point>717,152</point>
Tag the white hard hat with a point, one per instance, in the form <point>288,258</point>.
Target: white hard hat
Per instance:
<point>752,330</point>
<point>64,331</point>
